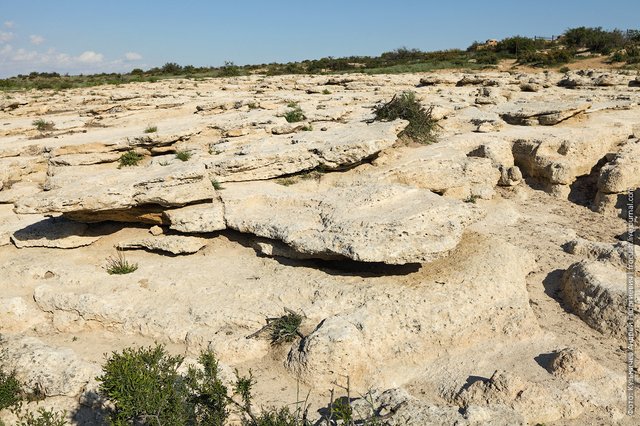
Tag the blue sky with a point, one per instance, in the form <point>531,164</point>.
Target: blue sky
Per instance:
<point>117,35</point>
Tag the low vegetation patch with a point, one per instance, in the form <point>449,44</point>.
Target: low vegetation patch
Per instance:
<point>130,158</point>
<point>43,126</point>
<point>13,395</point>
<point>119,265</point>
<point>294,115</point>
<point>216,185</point>
<point>183,155</point>
<point>422,127</point>
<point>10,389</point>
<point>151,129</point>
<point>145,387</point>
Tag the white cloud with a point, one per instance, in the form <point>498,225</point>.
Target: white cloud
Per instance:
<point>5,36</point>
<point>36,39</point>
<point>23,55</point>
<point>90,57</point>
<point>132,56</point>
<point>9,24</point>
<point>6,49</point>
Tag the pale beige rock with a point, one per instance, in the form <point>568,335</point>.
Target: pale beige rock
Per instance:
<point>112,189</point>
<point>571,364</point>
<point>393,224</point>
<point>537,403</point>
<point>198,218</point>
<point>355,343</point>
<point>53,233</point>
<point>156,230</point>
<point>174,244</point>
<point>17,315</point>
<point>282,155</point>
<point>597,293</point>
<point>616,254</point>
<point>558,158</point>
<point>54,371</point>
<point>542,113</point>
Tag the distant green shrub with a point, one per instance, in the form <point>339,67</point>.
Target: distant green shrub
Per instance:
<point>151,129</point>
<point>183,155</point>
<point>43,126</point>
<point>130,158</point>
<point>295,115</point>
<point>422,127</point>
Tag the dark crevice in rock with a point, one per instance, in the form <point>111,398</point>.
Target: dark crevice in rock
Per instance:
<point>584,189</point>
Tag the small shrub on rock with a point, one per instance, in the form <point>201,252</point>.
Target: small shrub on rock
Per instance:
<point>43,126</point>
<point>422,126</point>
<point>130,158</point>
<point>145,387</point>
<point>295,115</point>
<point>183,155</point>
<point>119,265</point>
<point>10,390</point>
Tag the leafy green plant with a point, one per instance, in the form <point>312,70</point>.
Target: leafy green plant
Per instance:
<point>216,185</point>
<point>119,265</point>
<point>151,129</point>
<point>422,126</point>
<point>307,128</point>
<point>145,387</point>
<point>295,114</point>
<point>129,158</point>
<point>207,393</point>
<point>471,199</point>
<point>564,69</point>
<point>183,155</point>
<point>284,329</point>
<point>42,417</point>
<point>43,126</point>
<point>326,92</point>
<point>10,389</point>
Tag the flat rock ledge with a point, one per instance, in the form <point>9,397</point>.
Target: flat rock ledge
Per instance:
<point>394,224</point>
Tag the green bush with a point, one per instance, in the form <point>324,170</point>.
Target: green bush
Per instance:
<point>295,115</point>
<point>422,126</point>
<point>43,417</point>
<point>151,129</point>
<point>145,387</point>
<point>43,126</point>
<point>550,57</point>
<point>10,389</point>
<point>594,38</point>
<point>183,155</point>
<point>129,158</point>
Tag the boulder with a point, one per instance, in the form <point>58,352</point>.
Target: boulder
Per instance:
<point>542,113</point>
<point>52,370</point>
<point>197,218</point>
<point>537,403</point>
<point>119,189</point>
<point>55,232</point>
<point>617,254</point>
<point>388,223</point>
<point>616,178</point>
<point>281,155</point>
<point>174,244</point>
<point>384,343</point>
<point>597,293</point>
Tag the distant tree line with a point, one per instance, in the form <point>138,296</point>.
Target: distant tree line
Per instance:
<point>621,46</point>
